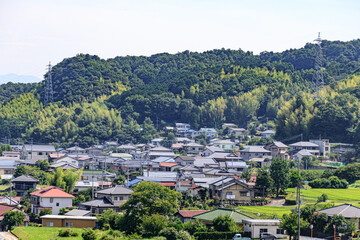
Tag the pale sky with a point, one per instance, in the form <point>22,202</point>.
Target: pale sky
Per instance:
<point>34,32</point>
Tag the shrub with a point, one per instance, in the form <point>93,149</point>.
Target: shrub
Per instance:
<point>323,198</point>
<point>106,237</point>
<point>152,225</point>
<point>169,232</point>
<point>223,223</point>
<point>183,235</point>
<point>290,201</point>
<point>89,234</point>
<point>67,233</point>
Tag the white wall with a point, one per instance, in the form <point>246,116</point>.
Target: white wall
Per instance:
<point>255,230</point>
<point>63,202</point>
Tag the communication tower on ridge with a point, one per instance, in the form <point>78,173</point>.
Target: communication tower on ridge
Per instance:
<point>49,96</point>
<point>318,81</point>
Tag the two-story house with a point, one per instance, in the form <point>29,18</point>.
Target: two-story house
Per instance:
<point>229,188</point>
<point>7,169</point>
<point>278,150</point>
<point>225,145</point>
<point>50,197</point>
<point>311,147</point>
<point>24,183</point>
<point>116,193</point>
<point>193,148</point>
<point>250,152</point>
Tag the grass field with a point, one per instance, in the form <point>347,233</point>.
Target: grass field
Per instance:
<point>265,211</point>
<point>44,233</point>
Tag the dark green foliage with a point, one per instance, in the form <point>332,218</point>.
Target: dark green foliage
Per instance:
<point>350,172</point>
<point>342,225</point>
<point>89,234</point>
<point>194,226</point>
<point>263,180</point>
<point>332,182</point>
<point>214,235</point>
<point>11,90</point>
<point>323,198</point>
<point>67,233</point>
<point>12,218</point>
<point>152,225</point>
<point>43,165</point>
<point>45,211</point>
<point>223,223</point>
<point>279,172</point>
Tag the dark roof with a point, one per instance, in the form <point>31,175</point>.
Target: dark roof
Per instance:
<point>25,178</point>
<point>186,158</point>
<point>117,190</point>
<point>102,202</point>
<point>77,212</point>
<point>347,210</point>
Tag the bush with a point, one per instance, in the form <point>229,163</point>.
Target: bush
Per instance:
<point>194,226</point>
<point>169,233</point>
<point>106,237</point>
<point>290,201</point>
<point>67,233</point>
<point>183,235</point>
<point>323,198</point>
<point>152,225</point>
<point>89,234</point>
<point>214,235</point>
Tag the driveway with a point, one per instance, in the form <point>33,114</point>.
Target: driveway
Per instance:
<point>7,236</point>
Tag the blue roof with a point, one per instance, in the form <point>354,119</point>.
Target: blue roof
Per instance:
<point>132,182</point>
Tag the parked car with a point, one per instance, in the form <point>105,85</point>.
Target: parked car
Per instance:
<point>267,236</point>
<point>239,237</point>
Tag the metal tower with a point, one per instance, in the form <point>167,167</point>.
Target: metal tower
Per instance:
<point>49,96</point>
<point>318,81</point>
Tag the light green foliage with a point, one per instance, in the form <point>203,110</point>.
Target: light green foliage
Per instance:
<point>223,223</point>
<point>12,218</point>
<point>65,180</point>
<point>89,234</point>
<point>279,172</point>
<point>152,225</point>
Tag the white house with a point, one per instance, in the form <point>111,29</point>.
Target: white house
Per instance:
<point>50,197</point>
<point>224,144</point>
<point>69,160</point>
<point>267,133</point>
<point>258,226</point>
<point>36,152</point>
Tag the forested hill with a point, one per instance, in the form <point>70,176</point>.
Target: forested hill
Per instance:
<point>97,99</point>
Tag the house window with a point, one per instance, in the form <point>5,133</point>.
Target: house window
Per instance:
<point>229,193</point>
<point>51,200</point>
<point>40,153</point>
<point>243,194</point>
<point>57,204</point>
<point>49,224</point>
<point>115,198</point>
<point>68,224</point>
<point>7,172</point>
<point>263,230</point>
<point>280,231</point>
<point>121,198</point>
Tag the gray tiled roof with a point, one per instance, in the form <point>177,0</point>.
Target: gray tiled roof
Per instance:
<point>39,148</point>
<point>77,212</point>
<point>24,178</point>
<point>258,149</point>
<point>117,190</point>
<point>347,210</point>
<point>304,144</point>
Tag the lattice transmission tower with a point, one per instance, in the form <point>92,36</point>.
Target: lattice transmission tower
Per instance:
<point>49,95</point>
<point>318,81</point>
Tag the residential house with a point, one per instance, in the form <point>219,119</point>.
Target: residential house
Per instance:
<point>97,175</point>
<point>63,165</point>
<point>341,148</point>
<point>324,146</point>
<point>50,197</point>
<point>250,152</point>
<point>15,155</point>
<point>208,132</point>
<point>67,159</point>
<point>202,162</point>
<point>99,205</point>
<point>348,211</point>
<point>160,152</point>
<point>12,201</point>
<point>228,125</point>
<point>229,188</point>
<point>157,141</point>
<point>238,131</point>
<point>182,129</point>
<point>117,193</point>
<point>208,217</point>
<point>77,212</point>
<point>68,221</point>
<point>168,166</point>
<point>75,150</point>
<point>83,185</point>
<point>187,215</point>
<point>210,150</point>
<point>193,148</point>
<point>278,150</point>
<point>267,133</point>
<point>224,156</point>
<point>128,148</point>
<point>233,165</point>
<point>311,147</point>
<point>7,169</point>
<point>259,226</point>
<point>6,208</point>
<point>226,145</point>
<point>184,160</point>
<point>302,153</point>
<point>33,152</point>
<point>184,140</point>
<point>24,183</point>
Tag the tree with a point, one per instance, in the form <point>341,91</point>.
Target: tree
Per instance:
<point>19,171</point>
<point>119,180</point>
<point>289,223</point>
<point>45,211</point>
<point>12,218</point>
<point>194,226</point>
<point>42,164</point>
<point>147,199</point>
<point>264,180</point>
<point>246,174</point>
<point>152,225</point>
<point>342,225</point>
<point>279,172</point>
<point>223,223</point>
<point>107,219</point>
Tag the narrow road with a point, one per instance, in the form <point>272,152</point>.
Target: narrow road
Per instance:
<point>7,236</point>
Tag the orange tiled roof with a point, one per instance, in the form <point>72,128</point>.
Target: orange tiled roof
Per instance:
<point>168,184</point>
<point>52,191</point>
<point>191,213</point>
<point>167,164</point>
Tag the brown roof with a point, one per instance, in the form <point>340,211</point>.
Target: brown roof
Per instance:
<point>191,213</point>
<point>167,164</point>
<point>167,184</point>
<point>5,208</point>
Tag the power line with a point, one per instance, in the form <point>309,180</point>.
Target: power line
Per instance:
<point>49,97</point>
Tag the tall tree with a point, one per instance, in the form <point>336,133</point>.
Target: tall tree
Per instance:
<point>279,172</point>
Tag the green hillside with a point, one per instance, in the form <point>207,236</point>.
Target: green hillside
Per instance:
<point>97,99</point>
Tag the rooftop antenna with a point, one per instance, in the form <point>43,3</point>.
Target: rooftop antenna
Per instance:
<point>49,96</point>
<point>318,81</point>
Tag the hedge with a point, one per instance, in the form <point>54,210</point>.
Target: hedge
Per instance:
<point>215,235</point>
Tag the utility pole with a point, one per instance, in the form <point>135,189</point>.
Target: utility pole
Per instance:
<point>298,199</point>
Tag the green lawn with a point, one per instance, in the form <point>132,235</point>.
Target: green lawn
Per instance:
<point>44,233</point>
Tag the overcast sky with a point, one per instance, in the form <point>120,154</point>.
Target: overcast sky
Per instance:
<point>34,32</point>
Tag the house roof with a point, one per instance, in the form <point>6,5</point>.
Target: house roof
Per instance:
<point>279,144</point>
<point>214,149</point>
<point>209,216</point>
<point>127,146</point>
<point>192,144</point>
<point>52,191</point>
<point>102,202</point>
<point>177,145</point>
<point>4,208</point>
<point>190,213</point>
<point>68,217</point>
<point>223,142</point>
<point>57,155</point>
<point>75,148</point>
<point>167,184</point>
<point>304,144</point>
<point>186,158</point>
<point>117,190</point>
<point>64,165</point>
<point>168,164</point>
<point>161,149</point>
<point>304,152</point>
<point>77,212</point>
<point>24,178</point>
<point>347,210</point>
<point>202,161</point>
<point>39,148</point>
<point>268,132</point>
<point>258,149</point>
